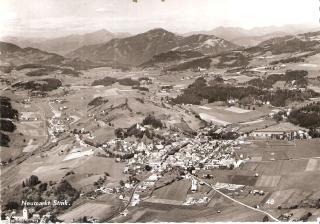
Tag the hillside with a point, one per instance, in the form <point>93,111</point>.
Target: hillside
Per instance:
<point>138,49</point>
<point>65,44</point>
<point>13,56</point>
<point>255,35</point>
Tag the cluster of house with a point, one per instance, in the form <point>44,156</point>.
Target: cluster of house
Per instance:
<point>186,152</point>
<point>28,216</point>
<point>57,126</point>
<point>29,116</point>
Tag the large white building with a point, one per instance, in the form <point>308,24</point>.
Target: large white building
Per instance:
<point>283,130</point>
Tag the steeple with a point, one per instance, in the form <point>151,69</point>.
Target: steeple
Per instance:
<point>25,213</point>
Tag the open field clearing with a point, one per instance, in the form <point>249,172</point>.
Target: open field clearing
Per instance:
<point>30,147</point>
<point>276,167</point>
<point>307,65</point>
<point>313,165</point>
<point>82,181</point>
<point>205,108</point>
<point>269,168</point>
<point>252,122</point>
<point>230,214</point>
<point>10,152</point>
<point>76,155</point>
<point>293,166</point>
<point>256,159</point>
<point>306,149</point>
<point>268,181</point>
<point>99,165</point>
<point>210,118</point>
<point>231,114</point>
<point>97,210</point>
<point>237,110</point>
<point>63,147</point>
<point>307,180</point>
<point>276,155</point>
<point>240,78</point>
<point>259,123</point>
<point>32,128</point>
<point>278,197</point>
<point>176,191</point>
<point>164,201</point>
<point>56,170</point>
<point>243,180</point>
<point>107,93</point>
<point>251,166</point>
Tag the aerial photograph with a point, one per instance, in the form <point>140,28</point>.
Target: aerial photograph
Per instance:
<point>148,111</point>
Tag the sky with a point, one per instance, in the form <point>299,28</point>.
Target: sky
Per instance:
<point>47,18</point>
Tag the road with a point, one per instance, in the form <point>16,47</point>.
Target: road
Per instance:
<point>238,202</point>
<point>127,205</point>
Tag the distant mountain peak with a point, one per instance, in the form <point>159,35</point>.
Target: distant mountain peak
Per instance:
<point>158,31</point>
<point>102,31</point>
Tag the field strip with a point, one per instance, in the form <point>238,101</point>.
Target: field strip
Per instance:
<point>240,203</point>
<point>312,165</point>
<point>237,110</point>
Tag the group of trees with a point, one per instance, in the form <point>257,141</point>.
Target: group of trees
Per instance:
<point>43,85</point>
<point>4,140</point>
<point>7,114</point>
<point>108,81</point>
<point>307,116</point>
<point>97,101</point>
<point>298,75</point>
<point>7,125</point>
<point>223,135</point>
<point>151,120</point>
<point>199,90</point>
<point>193,64</point>
<point>31,181</point>
<point>133,131</point>
<point>38,72</point>
<point>6,110</point>
<point>138,132</point>
<point>233,59</point>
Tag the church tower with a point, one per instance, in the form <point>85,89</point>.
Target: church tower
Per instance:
<point>25,213</point>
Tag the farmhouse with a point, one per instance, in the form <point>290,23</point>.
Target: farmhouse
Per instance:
<point>283,130</point>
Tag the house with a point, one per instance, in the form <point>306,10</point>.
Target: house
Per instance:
<point>194,185</point>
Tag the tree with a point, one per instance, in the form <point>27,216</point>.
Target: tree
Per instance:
<point>151,120</point>
<point>32,181</point>
<point>12,205</point>
<point>148,168</point>
<point>43,187</point>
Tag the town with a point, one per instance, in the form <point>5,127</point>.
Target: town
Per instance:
<point>156,125</point>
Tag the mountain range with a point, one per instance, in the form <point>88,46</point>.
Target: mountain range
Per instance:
<point>65,44</point>
<point>157,47</point>
<point>256,35</point>
<point>140,48</point>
